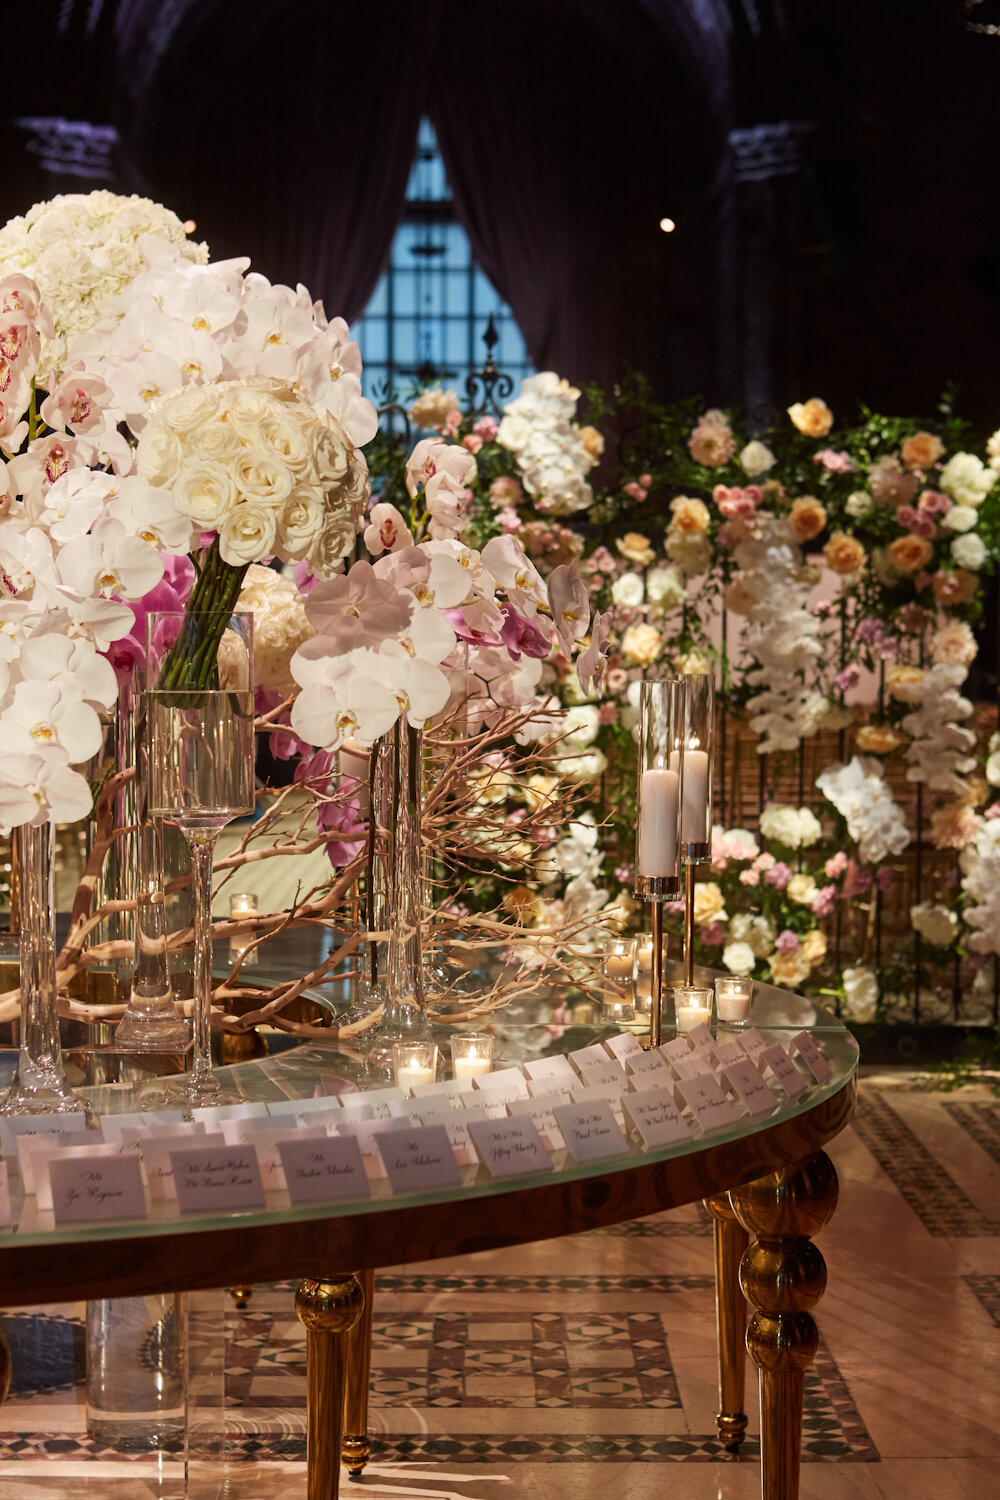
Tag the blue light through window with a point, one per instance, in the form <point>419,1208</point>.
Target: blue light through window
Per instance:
<point>425,321</point>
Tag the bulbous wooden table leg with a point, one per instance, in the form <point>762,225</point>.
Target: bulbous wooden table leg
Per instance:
<point>731,1240</point>
<point>328,1308</point>
<point>784,1275</point>
<point>356,1447</point>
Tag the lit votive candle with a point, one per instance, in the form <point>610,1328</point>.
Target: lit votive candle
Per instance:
<point>243,904</point>
<point>414,1063</point>
<point>471,1054</point>
<point>732,1000</point>
<point>619,971</point>
<point>644,954</point>
<point>693,1006</point>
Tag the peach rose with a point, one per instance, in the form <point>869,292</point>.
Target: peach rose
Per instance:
<point>636,549</point>
<point>955,588</point>
<point>593,442</point>
<point>708,902</point>
<point>712,443</point>
<point>813,947</point>
<point>813,418</point>
<point>921,451</point>
<point>877,739</point>
<point>900,677</point>
<point>788,969</point>
<point>954,826</point>
<point>688,516</point>
<point>642,645</point>
<point>908,554</point>
<point>843,553</point>
<point>807,518</point>
<point>890,486</point>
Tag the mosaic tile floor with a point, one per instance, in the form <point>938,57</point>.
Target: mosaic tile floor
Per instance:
<point>571,1365</point>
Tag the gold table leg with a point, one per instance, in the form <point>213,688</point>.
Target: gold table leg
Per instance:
<point>784,1275</point>
<point>328,1308</point>
<point>5,1365</point>
<point>731,1240</point>
<point>240,1294</point>
<point>356,1447</point>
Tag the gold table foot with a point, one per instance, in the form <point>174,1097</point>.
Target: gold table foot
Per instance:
<point>6,1369</point>
<point>328,1309</point>
<point>240,1294</point>
<point>731,1240</point>
<point>355,1450</point>
<point>784,1275</point>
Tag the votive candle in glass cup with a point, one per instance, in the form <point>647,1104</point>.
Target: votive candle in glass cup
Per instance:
<point>733,994</point>
<point>693,1005</point>
<point>471,1054</point>
<point>619,974</point>
<point>414,1063</point>
<point>243,904</point>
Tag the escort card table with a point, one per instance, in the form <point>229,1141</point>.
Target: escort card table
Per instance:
<point>763,1176</point>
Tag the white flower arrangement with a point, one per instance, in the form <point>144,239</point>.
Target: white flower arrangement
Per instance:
<point>980,864</point>
<point>795,827</point>
<point>938,924</point>
<point>861,994</point>
<point>859,793</point>
<point>81,249</point>
<point>939,750</point>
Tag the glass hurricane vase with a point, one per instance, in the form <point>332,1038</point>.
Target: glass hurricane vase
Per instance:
<point>39,1084</point>
<point>200,771</point>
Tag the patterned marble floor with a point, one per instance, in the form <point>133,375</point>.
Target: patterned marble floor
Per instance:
<point>583,1365</point>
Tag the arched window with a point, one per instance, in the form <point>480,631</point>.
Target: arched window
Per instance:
<point>426,318</point>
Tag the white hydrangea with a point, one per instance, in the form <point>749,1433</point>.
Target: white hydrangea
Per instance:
<point>966,479</point>
<point>82,249</point>
<point>858,505</point>
<point>538,426</point>
<point>754,930</point>
<point>969,551</point>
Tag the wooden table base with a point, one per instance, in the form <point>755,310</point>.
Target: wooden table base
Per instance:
<point>784,1275</point>
<point>328,1308</point>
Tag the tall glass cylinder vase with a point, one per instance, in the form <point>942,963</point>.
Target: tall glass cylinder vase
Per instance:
<point>39,1084</point>
<point>398,777</point>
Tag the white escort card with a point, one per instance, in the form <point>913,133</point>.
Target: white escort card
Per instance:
<point>604,1075</point>
<point>265,1143</point>
<point>43,1156</point>
<point>499,1089</point>
<point>753,1043</point>
<point>692,1066</point>
<point>808,1049</point>
<point>776,1061</point>
<point>418,1158</point>
<point>593,1056</point>
<point>748,1085</point>
<point>539,1111</point>
<point>145,1120</point>
<point>638,1064</point>
<point>590,1130</point>
<point>305,1112</point>
<point>626,1044</point>
<point>12,1127</point>
<point>556,1072</point>
<point>509,1148</point>
<point>374,1105</point>
<point>457,1127</point>
<point>728,1052</point>
<point>321,1171</point>
<point>706,1101</point>
<point>92,1189</point>
<point>655,1118</point>
<point>702,1040</point>
<point>676,1049</point>
<point>212,1115</point>
<point>209,1179</point>
<point>155,1149</point>
<point>451,1088</point>
<point>367,1132</point>
<point>610,1093</point>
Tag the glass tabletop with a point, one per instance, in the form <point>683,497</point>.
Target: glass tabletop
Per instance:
<point>328,1069</point>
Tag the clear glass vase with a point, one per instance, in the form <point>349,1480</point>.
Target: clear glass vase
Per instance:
<point>39,1084</point>
<point>398,785</point>
<point>135,1373</point>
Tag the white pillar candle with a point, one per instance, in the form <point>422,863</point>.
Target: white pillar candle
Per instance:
<point>694,818</point>
<point>471,1066</point>
<point>690,1016</point>
<point>618,966</point>
<point>658,823</point>
<point>413,1073</point>
<point>732,1004</point>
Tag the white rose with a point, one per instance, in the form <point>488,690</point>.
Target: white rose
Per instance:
<point>261,477</point>
<point>969,551</point>
<point>514,432</point>
<point>858,505</point>
<point>191,408</point>
<point>993,769</point>
<point>801,889</point>
<point>739,958</point>
<point>246,406</point>
<point>810,828</point>
<point>756,458</point>
<point>967,479</point>
<point>860,994</point>
<point>300,522</point>
<point>586,767</point>
<point>216,440</point>
<point>935,923</point>
<point>282,435</point>
<point>580,726</point>
<point>960,518</point>
<point>692,553</point>
<point>755,931</point>
<point>642,645</point>
<point>628,591</point>
<point>665,589</point>
<point>247,534</point>
<point>205,491</point>
<point>782,823</point>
